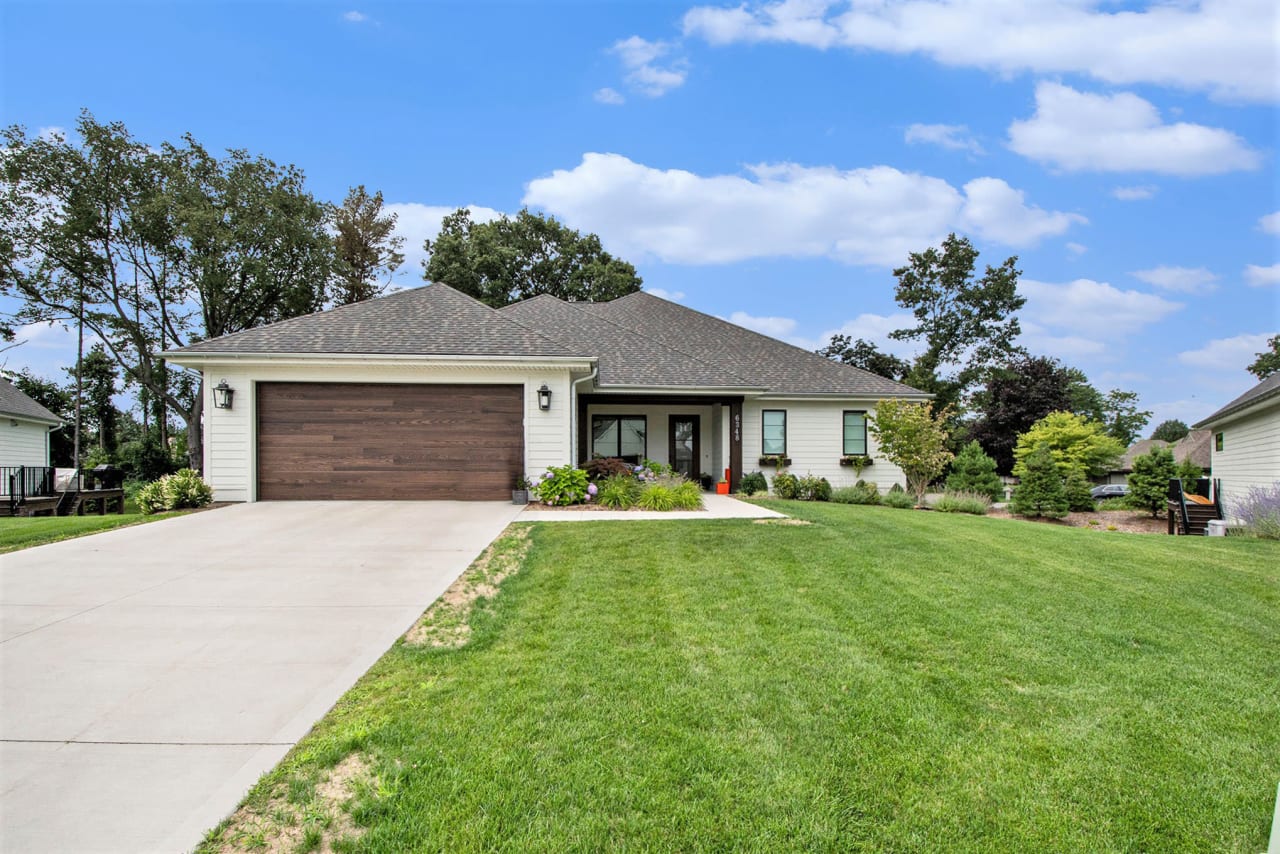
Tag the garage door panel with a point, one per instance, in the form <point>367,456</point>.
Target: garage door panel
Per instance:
<point>327,441</point>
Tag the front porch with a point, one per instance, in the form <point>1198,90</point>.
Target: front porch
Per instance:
<point>698,435</point>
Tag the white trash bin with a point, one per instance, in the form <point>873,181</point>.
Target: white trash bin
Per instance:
<point>1217,528</point>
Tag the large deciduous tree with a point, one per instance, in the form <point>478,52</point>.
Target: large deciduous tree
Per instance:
<point>1122,416</point>
<point>1016,395</point>
<point>966,323</point>
<point>914,439</point>
<point>1171,430</point>
<point>1074,442</point>
<point>511,259</point>
<point>1268,361</point>
<point>367,247</point>
<point>865,355</point>
<point>149,249</point>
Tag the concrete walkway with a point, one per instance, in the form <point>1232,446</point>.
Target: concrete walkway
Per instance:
<point>149,675</point>
<point>717,507</point>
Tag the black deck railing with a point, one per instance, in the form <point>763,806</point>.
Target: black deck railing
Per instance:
<point>18,483</point>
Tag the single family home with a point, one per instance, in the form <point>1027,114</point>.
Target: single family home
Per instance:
<point>24,428</point>
<point>430,394</point>
<point>1246,442</point>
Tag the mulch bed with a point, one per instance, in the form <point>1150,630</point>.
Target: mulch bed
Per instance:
<point>1107,521</point>
<point>590,508</point>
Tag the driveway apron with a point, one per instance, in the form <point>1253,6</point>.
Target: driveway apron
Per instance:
<point>149,675</point>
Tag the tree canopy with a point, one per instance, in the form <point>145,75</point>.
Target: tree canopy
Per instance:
<point>914,439</point>
<point>512,259</point>
<point>1017,394</point>
<point>1074,442</point>
<point>1268,361</point>
<point>366,246</point>
<point>1170,431</point>
<point>865,355</point>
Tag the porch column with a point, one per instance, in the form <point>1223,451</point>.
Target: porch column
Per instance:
<point>735,444</point>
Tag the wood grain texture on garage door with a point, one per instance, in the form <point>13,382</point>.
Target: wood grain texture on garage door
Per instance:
<point>375,441</point>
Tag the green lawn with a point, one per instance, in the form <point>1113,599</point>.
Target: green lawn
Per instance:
<point>880,679</point>
<point>23,533</point>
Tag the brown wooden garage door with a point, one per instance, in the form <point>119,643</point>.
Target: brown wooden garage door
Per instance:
<point>373,441</point>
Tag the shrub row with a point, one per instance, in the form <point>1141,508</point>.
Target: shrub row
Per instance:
<point>180,490</point>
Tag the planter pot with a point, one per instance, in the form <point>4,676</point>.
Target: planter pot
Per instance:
<point>774,461</point>
<point>519,496</point>
<point>866,462</point>
<point>722,488</point>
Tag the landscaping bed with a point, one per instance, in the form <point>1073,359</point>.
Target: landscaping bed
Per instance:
<point>1108,521</point>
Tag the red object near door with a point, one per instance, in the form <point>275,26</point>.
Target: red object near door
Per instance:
<point>722,488</point>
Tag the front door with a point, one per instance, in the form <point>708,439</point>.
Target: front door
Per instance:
<point>684,452</point>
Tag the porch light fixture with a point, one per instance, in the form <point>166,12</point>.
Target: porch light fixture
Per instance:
<point>222,394</point>
<point>544,398</point>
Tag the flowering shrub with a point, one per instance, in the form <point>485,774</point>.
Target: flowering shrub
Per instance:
<point>1260,511</point>
<point>563,485</point>
<point>175,491</point>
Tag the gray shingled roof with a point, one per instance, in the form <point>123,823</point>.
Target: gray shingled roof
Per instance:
<point>639,340</point>
<point>433,320</point>
<point>1269,387</point>
<point>14,403</point>
<point>626,359</point>
<point>776,365</point>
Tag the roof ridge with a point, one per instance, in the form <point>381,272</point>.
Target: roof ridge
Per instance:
<point>605,319</point>
<point>799,349</point>
<point>497,312</point>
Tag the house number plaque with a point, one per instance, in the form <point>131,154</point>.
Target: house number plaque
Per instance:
<point>737,427</point>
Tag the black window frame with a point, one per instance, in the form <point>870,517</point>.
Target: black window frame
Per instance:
<point>1218,442</point>
<point>783,452</point>
<point>620,418</point>
<point>844,439</point>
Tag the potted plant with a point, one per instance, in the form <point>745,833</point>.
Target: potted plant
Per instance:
<point>857,461</point>
<point>722,488</point>
<point>779,460</point>
<point>520,495</point>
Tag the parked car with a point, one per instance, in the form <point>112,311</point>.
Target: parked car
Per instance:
<point>1109,490</point>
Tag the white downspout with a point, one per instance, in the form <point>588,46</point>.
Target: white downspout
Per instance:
<point>573,412</point>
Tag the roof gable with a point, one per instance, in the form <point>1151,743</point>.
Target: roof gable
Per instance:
<point>1270,387</point>
<point>15,403</point>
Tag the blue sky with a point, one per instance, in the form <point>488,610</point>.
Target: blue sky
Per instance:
<point>768,163</point>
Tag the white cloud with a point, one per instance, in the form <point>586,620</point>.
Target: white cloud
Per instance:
<point>1186,279</point>
<point>953,137</point>
<point>875,215</point>
<point>1270,223</point>
<point>1092,309</point>
<point>661,293</point>
<point>416,223</point>
<point>354,17</point>
<point>998,212</point>
<point>1038,339</point>
<point>609,96</point>
<point>639,57</point>
<point>1134,194</point>
<point>1225,47</point>
<point>1227,354</point>
<point>1261,277</point>
<point>1077,249</point>
<point>774,327</point>
<point>1083,132</point>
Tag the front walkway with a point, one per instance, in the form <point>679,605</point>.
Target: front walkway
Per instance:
<point>718,507</point>
<point>151,674</point>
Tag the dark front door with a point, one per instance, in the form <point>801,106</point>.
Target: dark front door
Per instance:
<point>684,452</point>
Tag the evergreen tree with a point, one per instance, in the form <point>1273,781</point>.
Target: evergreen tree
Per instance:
<point>1040,493</point>
<point>1149,481</point>
<point>974,471</point>
<point>1189,472</point>
<point>1077,491</point>
<point>366,247</point>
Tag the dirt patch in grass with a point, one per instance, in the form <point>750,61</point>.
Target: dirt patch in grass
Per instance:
<point>283,825</point>
<point>1107,521</point>
<point>783,522</point>
<point>447,623</point>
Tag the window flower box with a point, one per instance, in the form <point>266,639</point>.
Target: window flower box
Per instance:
<point>775,460</point>
<point>855,460</point>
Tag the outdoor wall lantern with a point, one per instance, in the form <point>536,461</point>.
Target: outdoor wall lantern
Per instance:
<point>544,398</point>
<point>222,394</point>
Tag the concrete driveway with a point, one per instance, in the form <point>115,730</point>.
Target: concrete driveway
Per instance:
<point>149,675</point>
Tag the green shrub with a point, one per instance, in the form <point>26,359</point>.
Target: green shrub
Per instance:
<point>619,492</point>
<point>753,483</point>
<point>657,496</point>
<point>601,468</point>
<point>1149,480</point>
<point>860,493</point>
<point>976,503</point>
<point>1077,491</point>
<point>1040,492</point>
<point>688,496</point>
<point>811,488</point>
<point>786,485</point>
<point>897,487</point>
<point>1118,502</point>
<point>178,491</point>
<point>562,485</point>
<point>898,500</point>
<point>974,471</point>
<point>1189,473</point>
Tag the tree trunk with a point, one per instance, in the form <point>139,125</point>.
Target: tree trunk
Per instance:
<point>195,431</point>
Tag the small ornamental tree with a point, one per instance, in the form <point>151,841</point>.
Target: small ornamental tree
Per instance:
<point>974,471</point>
<point>914,439</point>
<point>1075,443</point>
<point>1077,491</point>
<point>1149,482</point>
<point>1040,491</point>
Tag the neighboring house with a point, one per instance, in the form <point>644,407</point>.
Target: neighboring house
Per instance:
<point>1246,441</point>
<point>24,428</point>
<point>1194,445</point>
<point>427,393</point>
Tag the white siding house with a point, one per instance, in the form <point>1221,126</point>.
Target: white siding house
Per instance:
<point>24,428</point>
<point>1246,442</point>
